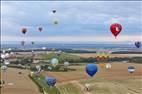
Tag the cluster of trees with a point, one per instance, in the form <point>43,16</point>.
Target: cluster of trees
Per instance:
<point>76,59</point>
<point>23,60</point>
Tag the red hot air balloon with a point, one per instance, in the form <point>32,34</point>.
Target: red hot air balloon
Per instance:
<point>24,30</point>
<point>40,29</point>
<point>115,29</point>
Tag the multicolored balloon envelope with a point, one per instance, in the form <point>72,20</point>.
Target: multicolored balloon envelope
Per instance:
<point>138,44</point>
<point>51,81</point>
<point>24,30</point>
<point>131,69</point>
<point>115,29</point>
<point>91,69</point>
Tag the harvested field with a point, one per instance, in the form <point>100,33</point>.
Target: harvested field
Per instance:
<point>16,83</point>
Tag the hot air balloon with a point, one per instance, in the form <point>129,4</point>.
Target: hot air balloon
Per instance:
<point>115,29</point>
<point>4,67</point>
<point>6,62</point>
<point>3,56</point>
<point>32,43</point>
<point>2,82</point>
<point>55,22</point>
<point>22,43</point>
<point>54,62</point>
<point>51,81</point>
<point>38,67</point>
<point>9,49</point>
<point>7,55</point>
<point>40,29</point>
<point>54,11</point>
<point>66,64</point>
<point>131,69</point>
<point>87,87</point>
<point>24,30</point>
<point>3,51</point>
<point>138,44</point>
<point>43,48</point>
<point>91,69</point>
<point>108,66</point>
<point>49,68</point>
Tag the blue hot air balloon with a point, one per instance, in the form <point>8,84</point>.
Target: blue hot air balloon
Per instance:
<point>138,44</point>
<point>131,69</point>
<point>91,69</point>
<point>51,81</point>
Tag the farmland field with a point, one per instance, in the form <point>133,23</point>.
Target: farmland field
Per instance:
<point>114,81</point>
<point>16,83</point>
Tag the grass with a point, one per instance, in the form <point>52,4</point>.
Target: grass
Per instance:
<point>61,57</point>
<point>115,86</point>
<point>69,89</point>
<point>44,86</point>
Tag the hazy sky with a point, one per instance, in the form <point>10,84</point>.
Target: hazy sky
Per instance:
<point>78,20</point>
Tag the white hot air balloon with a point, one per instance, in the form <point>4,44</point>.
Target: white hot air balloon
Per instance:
<point>9,49</point>
<point>87,86</point>
<point>3,51</point>
<point>7,55</point>
<point>49,68</point>
<point>54,62</point>
<point>6,62</point>
<point>108,66</point>
<point>66,64</point>
<point>43,48</point>
<point>3,56</point>
<point>4,67</point>
<point>38,67</point>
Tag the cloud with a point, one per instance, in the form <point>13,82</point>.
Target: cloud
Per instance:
<point>76,18</point>
<point>89,38</point>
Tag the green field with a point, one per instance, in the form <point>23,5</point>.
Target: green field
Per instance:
<point>69,88</point>
<point>43,86</point>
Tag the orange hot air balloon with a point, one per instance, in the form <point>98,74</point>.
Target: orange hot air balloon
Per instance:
<point>115,29</point>
<point>24,30</point>
<point>40,29</point>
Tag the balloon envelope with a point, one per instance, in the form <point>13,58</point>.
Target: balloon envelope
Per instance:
<point>40,29</point>
<point>51,81</point>
<point>22,43</point>
<point>131,69</point>
<point>54,62</point>
<point>138,44</point>
<point>115,29</point>
<point>66,63</point>
<point>3,56</point>
<point>108,66</point>
<point>91,69</point>
<point>3,67</point>
<point>49,68</point>
<point>6,62</point>
<point>55,22</point>
<point>24,30</point>
<point>54,11</point>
